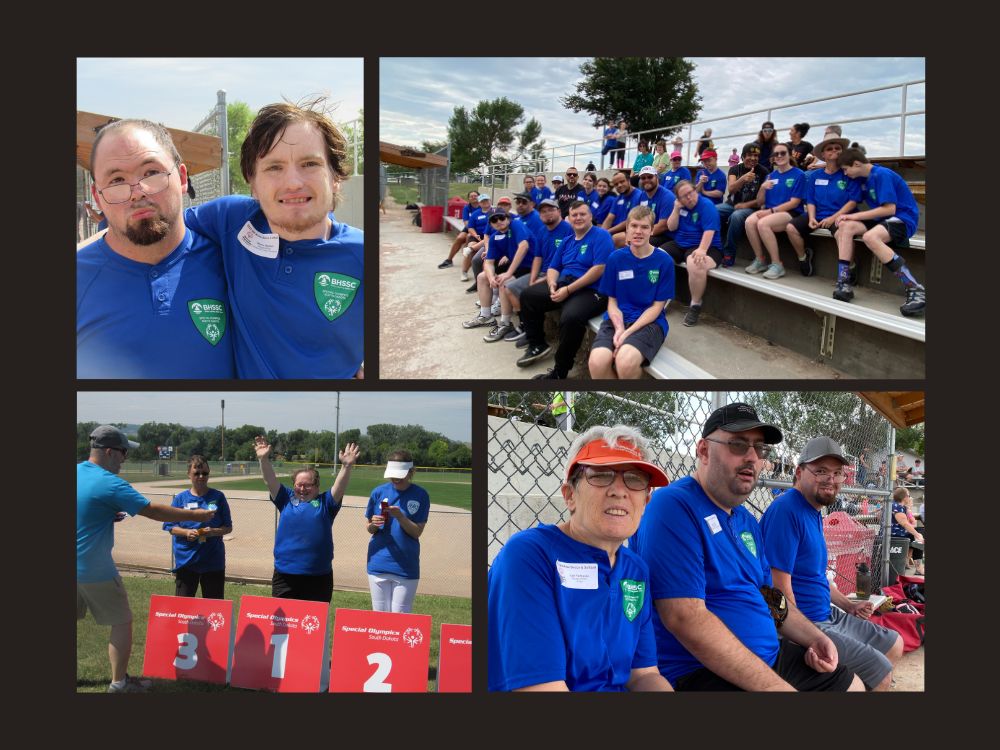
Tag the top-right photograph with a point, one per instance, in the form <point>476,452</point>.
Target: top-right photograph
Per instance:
<point>670,218</point>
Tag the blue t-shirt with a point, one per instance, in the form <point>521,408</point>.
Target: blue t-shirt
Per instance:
<point>794,544</point>
<point>535,227</point>
<point>636,283</point>
<point>298,307</point>
<point>580,255</point>
<point>611,143</point>
<point>695,550</point>
<point>661,203</point>
<point>601,207</point>
<point>670,178</point>
<point>504,244</point>
<point>303,542</point>
<point>168,320</point>
<point>391,551</point>
<point>540,194</point>
<point>898,530</point>
<point>200,556</point>
<point>625,203</point>
<point>552,242</point>
<point>716,181</point>
<point>830,192</point>
<point>556,610</point>
<point>467,210</point>
<point>99,496</point>
<point>787,185</point>
<point>691,225</point>
<point>885,186</point>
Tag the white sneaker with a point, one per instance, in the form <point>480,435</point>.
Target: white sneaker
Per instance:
<point>756,266</point>
<point>465,276</point>
<point>774,271</point>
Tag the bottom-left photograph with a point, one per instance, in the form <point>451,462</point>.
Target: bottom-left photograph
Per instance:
<point>274,541</point>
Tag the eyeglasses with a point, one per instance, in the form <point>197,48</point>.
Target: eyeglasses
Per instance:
<point>151,184</point>
<point>779,153</point>
<point>497,219</point>
<point>304,486</point>
<point>199,473</point>
<point>521,201</point>
<point>739,447</point>
<point>837,475</point>
<point>123,451</point>
<point>633,478</point>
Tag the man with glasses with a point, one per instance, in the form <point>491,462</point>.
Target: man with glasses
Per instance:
<point>151,298</point>
<point>658,200</point>
<point>103,499</point>
<point>571,191</point>
<point>719,617</point>
<point>506,245</point>
<point>795,547</point>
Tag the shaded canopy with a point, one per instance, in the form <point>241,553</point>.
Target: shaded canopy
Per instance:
<point>902,408</point>
<point>390,153</point>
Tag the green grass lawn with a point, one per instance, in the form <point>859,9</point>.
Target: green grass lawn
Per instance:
<point>93,670</point>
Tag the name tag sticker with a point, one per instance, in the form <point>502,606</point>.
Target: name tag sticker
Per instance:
<point>772,182</point>
<point>684,212</point>
<point>822,182</point>
<point>713,523</point>
<point>258,243</point>
<point>624,275</point>
<point>577,575</point>
<point>192,506</point>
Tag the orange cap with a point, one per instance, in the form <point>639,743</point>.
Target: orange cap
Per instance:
<point>599,453</point>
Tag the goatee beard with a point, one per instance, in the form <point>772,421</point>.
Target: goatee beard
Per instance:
<point>147,231</point>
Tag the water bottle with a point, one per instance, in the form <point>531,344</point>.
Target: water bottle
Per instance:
<point>863,582</point>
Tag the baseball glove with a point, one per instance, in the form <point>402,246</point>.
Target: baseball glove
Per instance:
<point>776,603</point>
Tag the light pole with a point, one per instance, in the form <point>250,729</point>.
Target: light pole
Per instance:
<point>223,430</point>
<point>336,436</point>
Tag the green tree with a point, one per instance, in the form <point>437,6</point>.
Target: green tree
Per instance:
<point>911,439</point>
<point>491,130</point>
<point>238,119</point>
<point>648,92</point>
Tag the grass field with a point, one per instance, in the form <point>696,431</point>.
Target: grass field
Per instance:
<point>93,670</point>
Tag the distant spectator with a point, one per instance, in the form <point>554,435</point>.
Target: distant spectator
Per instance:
<point>801,150</point>
<point>622,143</point>
<point>540,191</point>
<point>670,178</point>
<point>610,142</point>
<point>864,466</point>
<point>745,181</point>
<point>917,472</point>
<point>784,191</point>
<point>694,222</point>
<point>661,159</point>
<point>766,139</point>
<point>601,207</point>
<point>710,181</point>
<point>677,144</point>
<point>734,158</point>
<point>590,166</point>
<point>704,144</point>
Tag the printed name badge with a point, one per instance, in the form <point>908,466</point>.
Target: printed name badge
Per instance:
<point>188,638</point>
<point>684,212</point>
<point>577,575</point>
<point>258,243</point>
<point>380,652</point>
<point>625,275</point>
<point>191,506</point>
<point>822,182</point>
<point>713,523</point>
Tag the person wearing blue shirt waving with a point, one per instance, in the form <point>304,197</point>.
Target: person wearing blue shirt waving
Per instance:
<point>568,607</point>
<point>303,541</point>
<point>396,515</point>
<point>199,554</point>
<point>784,192</point>
<point>295,274</point>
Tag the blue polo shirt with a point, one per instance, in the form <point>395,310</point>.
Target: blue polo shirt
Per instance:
<point>391,551</point>
<point>794,543</point>
<point>625,203</point>
<point>661,203</point>
<point>789,184</point>
<point>580,255</point>
<point>303,542</point>
<point>716,181</point>
<point>540,194</point>
<point>557,610</point>
<point>168,320</point>
<point>552,242</point>
<point>298,307</point>
<point>200,556</point>
<point>636,283</point>
<point>691,225</point>
<point>670,178</point>
<point>830,192</point>
<point>535,227</point>
<point>504,244</point>
<point>695,550</point>
<point>885,186</point>
<point>100,495</point>
<point>601,207</point>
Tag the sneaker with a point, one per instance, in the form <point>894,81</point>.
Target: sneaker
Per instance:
<point>472,289</point>
<point>132,685</point>
<point>534,353</point>
<point>445,263</point>
<point>774,271</point>
<point>478,321</point>
<point>852,274</point>
<point>497,332</point>
<point>495,308</point>
<point>756,266</point>
<point>806,266</point>
<point>692,315</point>
<point>523,342</point>
<point>465,276</point>
<point>516,334</point>
<point>916,301</point>
<point>843,292</point>
<point>728,261</point>
<point>552,374</point>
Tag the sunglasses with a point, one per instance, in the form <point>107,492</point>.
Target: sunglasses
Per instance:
<point>779,153</point>
<point>497,219</point>
<point>633,478</point>
<point>739,447</point>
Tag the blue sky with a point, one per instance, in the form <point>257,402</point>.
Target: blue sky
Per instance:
<point>417,96</point>
<point>449,413</point>
<point>179,92</point>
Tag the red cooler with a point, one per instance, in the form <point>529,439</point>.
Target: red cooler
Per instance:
<point>455,206</point>
<point>431,218</point>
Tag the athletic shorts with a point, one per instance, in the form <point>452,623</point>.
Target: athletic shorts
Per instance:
<point>519,283</point>
<point>896,229</point>
<point>107,601</point>
<point>647,339</point>
<point>680,254</point>
<point>801,224</point>
<point>310,588</point>
<point>861,644</point>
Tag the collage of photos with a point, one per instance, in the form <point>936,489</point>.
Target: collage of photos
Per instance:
<point>334,487</point>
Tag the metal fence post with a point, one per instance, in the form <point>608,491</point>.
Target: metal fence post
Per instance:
<point>902,123</point>
<point>224,134</point>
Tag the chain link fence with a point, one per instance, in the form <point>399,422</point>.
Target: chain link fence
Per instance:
<point>528,444</point>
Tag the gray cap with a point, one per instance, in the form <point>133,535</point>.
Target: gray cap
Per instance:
<point>106,436</point>
<point>821,447</point>
<point>549,202</point>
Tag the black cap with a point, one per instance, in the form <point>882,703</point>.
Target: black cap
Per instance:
<point>495,211</point>
<point>739,417</point>
<point>526,196</point>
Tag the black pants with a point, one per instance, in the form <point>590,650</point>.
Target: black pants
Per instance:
<point>576,310</point>
<point>310,588</point>
<point>213,583</point>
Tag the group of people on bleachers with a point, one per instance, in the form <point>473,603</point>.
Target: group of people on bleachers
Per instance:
<point>598,245</point>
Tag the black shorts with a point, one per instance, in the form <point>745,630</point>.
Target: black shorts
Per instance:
<point>310,588</point>
<point>801,224</point>
<point>896,229</point>
<point>647,340</point>
<point>680,254</point>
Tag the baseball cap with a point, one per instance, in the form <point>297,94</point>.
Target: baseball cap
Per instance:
<point>675,155</point>
<point>708,154</point>
<point>599,453</point>
<point>484,197</point>
<point>557,178</point>
<point>497,211</point>
<point>750,148</point>
<point>647,170</point>
<point>106,436</point>
<point>739,417</point>
<point>549,202</point>
<point>503,199</point>
<point>821,447</point>
<point>525,196</point>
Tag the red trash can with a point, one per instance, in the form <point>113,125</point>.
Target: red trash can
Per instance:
<point>431,218</point>
<point>455,206</point>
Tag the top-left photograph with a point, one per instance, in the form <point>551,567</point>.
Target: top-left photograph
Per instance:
<point>220,229</point>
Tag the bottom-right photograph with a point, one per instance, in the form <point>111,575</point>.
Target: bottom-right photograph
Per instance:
<point>706,541</point>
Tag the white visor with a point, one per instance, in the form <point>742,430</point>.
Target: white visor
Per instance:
<point>397,469</point>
